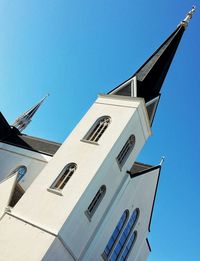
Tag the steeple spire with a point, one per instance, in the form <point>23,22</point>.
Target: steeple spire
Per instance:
<point>148,79</point>
<point>188,17</point>
<point>22,121</point>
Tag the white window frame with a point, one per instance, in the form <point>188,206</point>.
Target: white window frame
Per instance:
<point>97,130</point>
<point>95,202</point>
<point>57,187</point>
<point>126,151</point>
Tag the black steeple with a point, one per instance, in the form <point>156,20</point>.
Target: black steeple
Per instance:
<point>148,79</point>
<point>151,75</point>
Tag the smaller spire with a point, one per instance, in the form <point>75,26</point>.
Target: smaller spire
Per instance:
<point>188,17</point>
<point>22,121</point>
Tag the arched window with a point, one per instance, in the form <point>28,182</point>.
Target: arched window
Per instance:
<point>115,234</point>
<point>97,130</point>
<point>95,202</point>
<point>122,239</point>
<point>128,246</point>
<point>126,150</point>
<point>64,176</point>
<point>125,235</point>
<point>21,171</point>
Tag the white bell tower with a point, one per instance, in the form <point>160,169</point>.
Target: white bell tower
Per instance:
<point>61,207</point>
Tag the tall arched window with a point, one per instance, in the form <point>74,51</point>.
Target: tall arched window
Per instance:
<point>126,150</point>
<point>64,176</point>
<point>119,248</point>
<point>95,202</point>
<point>125,235</point>
<point>97,130</point>
<point>115,235</point>
<point>128,246</point>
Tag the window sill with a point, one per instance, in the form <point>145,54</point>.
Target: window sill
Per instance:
<point>91,142</point>
<point>55,191</point>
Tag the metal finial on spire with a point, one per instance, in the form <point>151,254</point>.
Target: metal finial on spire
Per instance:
<point>162,160</point>
<point>22,121</point>
<point>188,17</point>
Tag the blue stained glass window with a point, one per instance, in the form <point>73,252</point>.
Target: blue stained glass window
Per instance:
<point>127,231</point>
<point>128,247</point>
<point>120,244</point>
<point>21,171</point>
<point>116,234</point>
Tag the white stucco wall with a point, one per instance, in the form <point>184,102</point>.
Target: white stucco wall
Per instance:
<point>57,252</point>
<point>6,190</point>
<point>128,116</point>
<point>12,156</point>
<point>143,253</point>
<point>135,193</point>
<point>64,214</point>
<point>20,241</point>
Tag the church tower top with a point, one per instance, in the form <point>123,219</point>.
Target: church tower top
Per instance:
<point>188,17</point>
<point>147,81</point>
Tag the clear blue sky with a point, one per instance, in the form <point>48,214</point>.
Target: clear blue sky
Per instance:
<point>77,49</point>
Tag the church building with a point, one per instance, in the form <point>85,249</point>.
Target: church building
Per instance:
<point>87,199</point>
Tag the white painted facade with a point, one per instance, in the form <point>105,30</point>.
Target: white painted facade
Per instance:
<point>137,193</point>
<point>11,157</point>
<point>46,224</point>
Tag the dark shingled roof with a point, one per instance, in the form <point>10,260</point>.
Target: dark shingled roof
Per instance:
<point>139,169</point>
<point>12,136</point>
<point>138,166</point>
<point>151,75</point>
